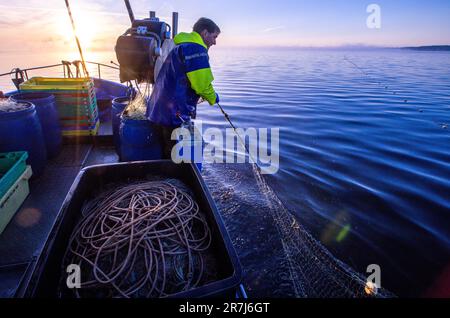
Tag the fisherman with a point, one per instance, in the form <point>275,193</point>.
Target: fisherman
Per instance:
<point>185,80</point>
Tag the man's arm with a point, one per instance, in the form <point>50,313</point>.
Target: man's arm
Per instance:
<point>200,75</point>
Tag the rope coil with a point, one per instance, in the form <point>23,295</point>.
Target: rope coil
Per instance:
<point>146,239</point>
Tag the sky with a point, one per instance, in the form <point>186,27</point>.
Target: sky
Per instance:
<point>43,25</point>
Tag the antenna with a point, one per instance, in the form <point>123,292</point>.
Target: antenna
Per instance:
<point>174,23</point>
<point>130,11</point>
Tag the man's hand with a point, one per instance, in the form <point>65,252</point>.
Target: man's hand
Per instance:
<point>200,100</point>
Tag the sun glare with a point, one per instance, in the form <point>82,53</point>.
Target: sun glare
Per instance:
<point>84,25</point>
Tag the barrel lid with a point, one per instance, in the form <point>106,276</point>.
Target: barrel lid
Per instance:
<point>30,96</point>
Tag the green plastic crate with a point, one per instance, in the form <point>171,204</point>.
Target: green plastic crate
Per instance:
<point>13,199</point>
<point>12,165</point>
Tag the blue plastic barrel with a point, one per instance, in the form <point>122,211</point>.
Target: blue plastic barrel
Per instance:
<point>104,110</point>
<point>138,141</point>
<point>21,131</point>
<point>48,115</point>
<point>118,106</point>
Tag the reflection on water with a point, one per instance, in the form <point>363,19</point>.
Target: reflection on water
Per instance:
<point>365,160</point>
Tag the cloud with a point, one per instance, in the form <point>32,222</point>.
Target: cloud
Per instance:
<point>271,29</point>
<point>78,6</point>
<point>33,27</point>
<point>6,24</point>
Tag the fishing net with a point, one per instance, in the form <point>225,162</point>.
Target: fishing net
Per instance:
<point>279,256</point>
<point>314,271</point>
<point>137,106</point>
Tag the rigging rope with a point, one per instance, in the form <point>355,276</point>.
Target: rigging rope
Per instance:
<point>76,38</point>
<point>146,239</point>
<point>227,117</point>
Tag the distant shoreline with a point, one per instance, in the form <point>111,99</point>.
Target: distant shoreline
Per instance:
<point>428,48</point>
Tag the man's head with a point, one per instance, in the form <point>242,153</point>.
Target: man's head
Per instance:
<point>208,30</point>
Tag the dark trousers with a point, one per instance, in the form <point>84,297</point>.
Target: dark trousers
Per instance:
<point>164,133</point>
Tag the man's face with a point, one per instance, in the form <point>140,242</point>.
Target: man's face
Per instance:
<point>209,38</point>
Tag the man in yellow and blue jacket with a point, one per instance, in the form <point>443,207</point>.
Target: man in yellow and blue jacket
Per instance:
<point>185,77</point>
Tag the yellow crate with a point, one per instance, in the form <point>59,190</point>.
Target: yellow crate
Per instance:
<point>55,83</point>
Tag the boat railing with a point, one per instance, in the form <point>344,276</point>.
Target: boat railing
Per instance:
<point>21,75</point>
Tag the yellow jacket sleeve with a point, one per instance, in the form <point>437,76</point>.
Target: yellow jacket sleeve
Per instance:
<point>201,83</point>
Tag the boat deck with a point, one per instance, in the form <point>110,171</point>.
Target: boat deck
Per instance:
<point>25,236</point>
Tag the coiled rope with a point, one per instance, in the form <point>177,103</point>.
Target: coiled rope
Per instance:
<point>145,239</point>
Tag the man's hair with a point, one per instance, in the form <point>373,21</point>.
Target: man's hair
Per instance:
<point>205,23</point>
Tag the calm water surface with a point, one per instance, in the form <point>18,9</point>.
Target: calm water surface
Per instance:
<point>364,157</point>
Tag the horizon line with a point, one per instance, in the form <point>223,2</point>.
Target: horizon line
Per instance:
<point>310,47</point>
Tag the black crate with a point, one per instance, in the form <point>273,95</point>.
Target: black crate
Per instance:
<point>45,279</point>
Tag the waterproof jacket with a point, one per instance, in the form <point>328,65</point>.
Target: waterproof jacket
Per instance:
<point>184,77</point>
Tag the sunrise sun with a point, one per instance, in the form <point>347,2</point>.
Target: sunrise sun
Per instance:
<point>85,29</point>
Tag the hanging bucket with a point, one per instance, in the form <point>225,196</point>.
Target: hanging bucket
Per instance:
<point>118,106</point>
<point>190,146</point>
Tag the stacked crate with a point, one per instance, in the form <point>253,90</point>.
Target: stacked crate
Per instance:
<point>14,175</point>
<point>75,100</point>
